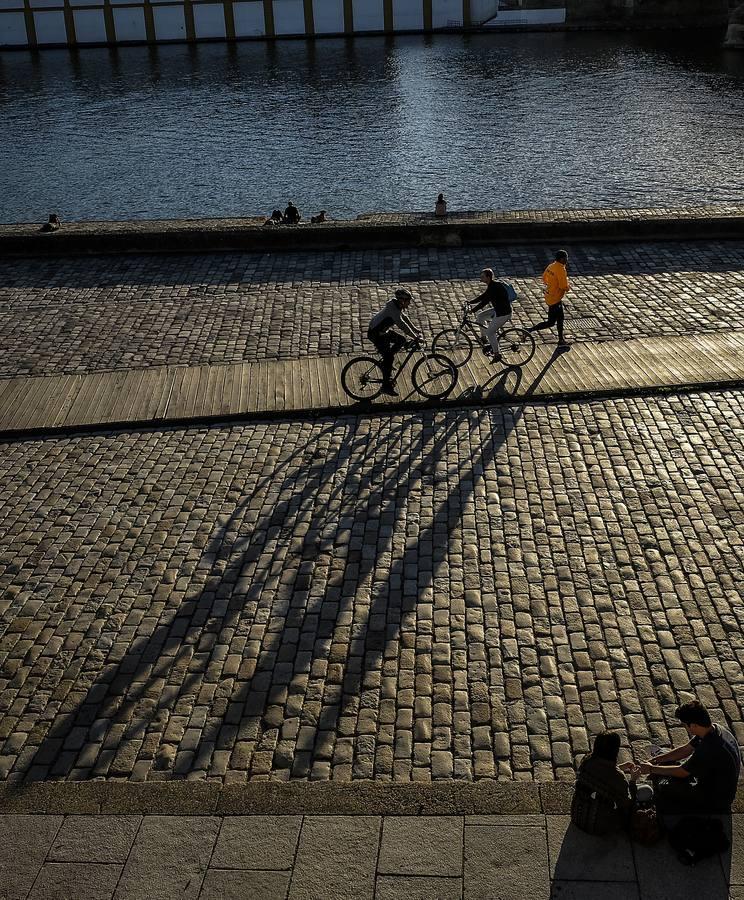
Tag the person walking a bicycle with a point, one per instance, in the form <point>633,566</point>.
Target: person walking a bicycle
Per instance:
<point>387,341</point>
<point>493,309</point>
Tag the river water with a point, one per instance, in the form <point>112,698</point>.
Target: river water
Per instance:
<point>496,121</point>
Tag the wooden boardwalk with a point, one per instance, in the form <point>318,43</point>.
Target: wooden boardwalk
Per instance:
<point>178,394</point>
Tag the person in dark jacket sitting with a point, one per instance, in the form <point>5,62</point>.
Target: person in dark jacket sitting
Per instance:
<point>291,214</point>
<point>494,310</point>
<point>700,776</point>
<point>603,800</point>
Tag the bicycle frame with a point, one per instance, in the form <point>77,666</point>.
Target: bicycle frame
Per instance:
<point>468,321</point>
<point>396,372</point>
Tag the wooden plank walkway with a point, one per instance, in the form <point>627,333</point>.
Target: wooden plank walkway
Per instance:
<point>170,394</point>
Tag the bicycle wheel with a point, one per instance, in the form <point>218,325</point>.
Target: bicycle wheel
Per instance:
<point>455,343</point>
<point>516,346</point>
<point>434,375</point>
<point>362,378</point>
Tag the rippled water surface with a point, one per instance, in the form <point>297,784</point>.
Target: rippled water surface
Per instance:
<point>494,121</point>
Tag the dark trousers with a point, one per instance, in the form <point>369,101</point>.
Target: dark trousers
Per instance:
<point>556,316</point>
<point>388,344</point>
<point>679,796</point>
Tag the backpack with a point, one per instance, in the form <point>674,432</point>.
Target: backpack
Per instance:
<point>695,838</point>
<point>591,811</point>
<point>510,292</point>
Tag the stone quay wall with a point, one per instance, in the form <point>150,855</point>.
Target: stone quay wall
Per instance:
<point>389,230</point>
<point>59,23</point>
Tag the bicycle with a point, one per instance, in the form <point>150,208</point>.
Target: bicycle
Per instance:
<point>434,375</point>
<point>516,344</point>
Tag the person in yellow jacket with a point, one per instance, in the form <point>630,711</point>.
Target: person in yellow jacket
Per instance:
<point>555,279</point>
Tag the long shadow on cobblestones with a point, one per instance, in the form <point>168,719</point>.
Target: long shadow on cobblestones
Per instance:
<point>210,272</point>
<point>323,593</point>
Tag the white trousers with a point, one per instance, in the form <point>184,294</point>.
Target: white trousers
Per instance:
<point>490,325</point>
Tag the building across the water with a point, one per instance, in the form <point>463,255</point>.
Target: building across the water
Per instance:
<point>49,23</point>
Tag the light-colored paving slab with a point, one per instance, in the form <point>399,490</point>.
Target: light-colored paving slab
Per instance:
<point>575,856</point>
<point>76,881</point>
<point>169,858</point>
<point>257,842</point>
<point>24,844</point>
<point>341,856</point>
<point>95,839</point>
<point>235,884</point>
<point>401,887</point>
<point>532,821</point>
<point>508,862</point>
<point>336,858</point>
<point>422,845</point>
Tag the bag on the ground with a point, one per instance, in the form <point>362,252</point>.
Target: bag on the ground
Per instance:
<point>697,837</point>
<point>645,827</point>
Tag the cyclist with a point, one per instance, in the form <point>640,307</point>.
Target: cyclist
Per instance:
<point>388,341</point>
<point>493,308</point>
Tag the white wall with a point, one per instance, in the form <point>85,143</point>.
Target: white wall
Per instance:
<point>529,17</point>
<point>90,26</point>
<point>13,29</point>
<point>209,20</point>
<point>328,16</point>
<point>129,24</point>
<point>170,24</point>
<point>289,17</point>
<point>50,27</point>
<point>249,19</point>
<point>446,13</point>
<point>480,10</point>
<point>369,15</point>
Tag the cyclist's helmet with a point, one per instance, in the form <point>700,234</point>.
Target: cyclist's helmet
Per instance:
<point>403,294</point>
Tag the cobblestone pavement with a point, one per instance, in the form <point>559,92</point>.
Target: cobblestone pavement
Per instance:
<point>84,314</point>
<point>465,594</point>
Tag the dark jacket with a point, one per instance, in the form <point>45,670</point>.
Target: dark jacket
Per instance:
<point>495,294</point>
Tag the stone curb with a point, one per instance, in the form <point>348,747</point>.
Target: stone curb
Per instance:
<point>193,798</point>
<point>290,798</point>
<point>406,230</point>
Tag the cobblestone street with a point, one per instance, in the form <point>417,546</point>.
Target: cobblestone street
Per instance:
<point>84,314</point>
<point>461,595</point>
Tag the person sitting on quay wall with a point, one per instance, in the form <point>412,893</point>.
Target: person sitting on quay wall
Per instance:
<point>52,225</point>
<point>440,208</point>
<point>319,219</point>
<point>700,776</point>
<point>291,214</point>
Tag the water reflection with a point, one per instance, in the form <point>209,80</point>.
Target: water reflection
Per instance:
<point>354,125</point>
